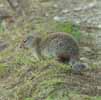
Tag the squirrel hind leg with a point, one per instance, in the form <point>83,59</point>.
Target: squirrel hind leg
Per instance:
<point>63,58</point>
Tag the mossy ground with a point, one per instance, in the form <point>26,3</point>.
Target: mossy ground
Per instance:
<point>22,77</point>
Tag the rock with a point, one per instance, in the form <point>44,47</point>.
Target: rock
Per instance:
<point>60,18</point>
<point>3,45</point>
<point>4,14</point>
<point>79,68</point>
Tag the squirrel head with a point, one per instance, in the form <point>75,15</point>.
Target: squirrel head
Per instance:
<point>30,42</point>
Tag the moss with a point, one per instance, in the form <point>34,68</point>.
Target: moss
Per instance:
<point>64,27</point>
<point>52,26</point>
<point>69,28</point>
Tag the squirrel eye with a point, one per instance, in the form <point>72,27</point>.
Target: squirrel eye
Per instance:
<point>24,41</point>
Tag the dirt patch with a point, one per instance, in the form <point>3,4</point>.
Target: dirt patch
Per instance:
<point>40,81</point>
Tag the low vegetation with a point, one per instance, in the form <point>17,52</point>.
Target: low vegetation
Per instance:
<point>25,78</point>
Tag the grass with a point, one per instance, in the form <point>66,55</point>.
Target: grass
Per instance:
<point>68,96</point>
<point>47,79</point>
<point>30,78</point>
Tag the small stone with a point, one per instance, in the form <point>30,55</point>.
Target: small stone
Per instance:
<point>87,49</point>
<point>46,14</point>
<point>60,18</point>
<point>84,59</point>
<point>99,26</point>
<point>55,6</point>
<point>65,11</point>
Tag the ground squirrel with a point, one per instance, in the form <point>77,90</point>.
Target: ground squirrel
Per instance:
<point>60,46</point>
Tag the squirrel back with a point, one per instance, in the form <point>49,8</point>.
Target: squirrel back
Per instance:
<point>60,46</point>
